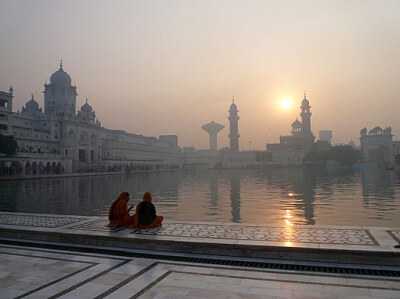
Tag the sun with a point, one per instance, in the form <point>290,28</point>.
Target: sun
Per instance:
<point>286,103</point>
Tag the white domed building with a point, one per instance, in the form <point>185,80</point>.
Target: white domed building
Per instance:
<point>62,139</point>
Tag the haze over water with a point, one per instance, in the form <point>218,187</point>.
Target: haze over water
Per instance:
<point>169,67</point>
<point>278,196</point>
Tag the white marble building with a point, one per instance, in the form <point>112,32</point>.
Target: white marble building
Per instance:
<point>377,146</point>
<point>63,139</point>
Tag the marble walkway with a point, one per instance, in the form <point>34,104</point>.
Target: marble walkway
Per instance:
<point>340,237</point>
<point>39,273</point>
<point>34,272</point>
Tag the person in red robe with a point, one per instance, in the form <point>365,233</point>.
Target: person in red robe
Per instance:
<point>146,216</point>
<point>119,212</point>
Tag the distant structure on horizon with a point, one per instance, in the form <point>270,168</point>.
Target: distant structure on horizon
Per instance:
<point>234,127</point>
<point>302,137</point>
<point>212,129</point>
<point>377,146</point>
<point>290,151</point>
<point>326,135</point>
<point>59,139</point>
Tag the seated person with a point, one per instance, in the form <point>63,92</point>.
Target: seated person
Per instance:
<point>119,212</point>
<point>146,216</point>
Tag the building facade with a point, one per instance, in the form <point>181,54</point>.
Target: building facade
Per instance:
<point>62,139</point>
<point>377,146</point>
<point>234,127</point>
<point>291,149</point>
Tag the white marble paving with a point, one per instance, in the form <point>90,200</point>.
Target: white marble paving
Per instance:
<point>37,220</point>
<point>215,232</point>
<point>37,273</point>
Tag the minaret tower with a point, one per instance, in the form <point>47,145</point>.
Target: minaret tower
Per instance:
<point>234,127</point>
<point>308,136</point>
<point>305,116</point>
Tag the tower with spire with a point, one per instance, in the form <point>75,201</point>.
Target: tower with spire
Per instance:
<point>308,136</point>
<point>60,95</point>
<point>234,127</point>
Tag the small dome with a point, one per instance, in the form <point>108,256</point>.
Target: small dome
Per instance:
<point>86,107</point>
<point>32,104</point>
<point>296,124</point>
<point>233,107</point>
<point>60,77</point>
<point>305,102</point>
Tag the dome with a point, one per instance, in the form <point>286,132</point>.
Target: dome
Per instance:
<point>305,102</point>
<point>32,104</point>
<point>86,107</point>
<point>60,77</point>
<point>296,124</point>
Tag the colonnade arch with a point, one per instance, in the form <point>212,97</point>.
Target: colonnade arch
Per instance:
<point>31,167</point>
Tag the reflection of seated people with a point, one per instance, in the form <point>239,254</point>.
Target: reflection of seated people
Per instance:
<point>146,216</point>
<point>119,212</point>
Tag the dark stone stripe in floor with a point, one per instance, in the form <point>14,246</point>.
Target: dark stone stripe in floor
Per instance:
<point>395,234</point>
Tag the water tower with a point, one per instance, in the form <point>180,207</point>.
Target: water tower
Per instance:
<point>212,129</point>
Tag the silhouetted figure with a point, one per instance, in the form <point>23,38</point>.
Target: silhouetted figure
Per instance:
<point>146,216</point>
<point>119,212</point>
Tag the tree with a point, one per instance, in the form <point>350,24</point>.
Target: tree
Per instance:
<point>8,145</point>
<point>342,154</point>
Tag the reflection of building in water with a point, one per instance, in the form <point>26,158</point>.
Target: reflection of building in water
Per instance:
<point>61,139</point>
<point>292,148</point>
<point>377,145</point>
<point>378,187</point>
<point>235,196</point>
<point>91,195</point>
<point>214,189</point>
<point>303,184</point>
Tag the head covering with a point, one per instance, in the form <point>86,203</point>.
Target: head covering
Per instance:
<point>124,195</point>
<point>147,196</point>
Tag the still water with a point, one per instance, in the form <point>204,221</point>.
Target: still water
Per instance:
<point>279,196</point>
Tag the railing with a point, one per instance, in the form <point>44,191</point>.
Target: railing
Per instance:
<point>38,155</point>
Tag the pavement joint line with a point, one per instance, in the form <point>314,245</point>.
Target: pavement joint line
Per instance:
<point>89,279</point>
<point>126,281</point>
<point>291,281</point>
<point>55,281</point>
<point>148,287</point>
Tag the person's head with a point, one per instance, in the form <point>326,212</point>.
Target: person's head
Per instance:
<point>147,196</point>
<point>124,196</point>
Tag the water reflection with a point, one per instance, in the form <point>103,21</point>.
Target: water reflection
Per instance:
<point>235,196</point>
<point>279,196</point>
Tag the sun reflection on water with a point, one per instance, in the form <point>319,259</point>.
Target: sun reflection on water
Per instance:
<point>288,227</point>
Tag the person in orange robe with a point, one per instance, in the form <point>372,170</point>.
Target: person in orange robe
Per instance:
<point>146,216</point>
<point>119,212</point>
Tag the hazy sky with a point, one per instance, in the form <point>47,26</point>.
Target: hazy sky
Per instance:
<point>169,67</point>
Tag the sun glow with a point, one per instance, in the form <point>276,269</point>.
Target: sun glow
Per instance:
<point>286,103</point>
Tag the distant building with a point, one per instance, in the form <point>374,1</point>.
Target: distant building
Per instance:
<point>234,127</point>
<point>352,144</point>
<point>194,159</point>
<point>212,129</point>
<point>325,135</point>
<point>377,145</point>
<point>292,148</point>
<point>61,139</point>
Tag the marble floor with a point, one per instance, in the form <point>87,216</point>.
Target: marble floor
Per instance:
<point>44,273</point>
<point>372,238</point>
